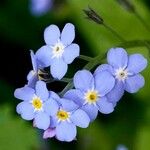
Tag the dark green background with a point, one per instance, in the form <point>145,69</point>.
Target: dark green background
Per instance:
<point>129,124</point>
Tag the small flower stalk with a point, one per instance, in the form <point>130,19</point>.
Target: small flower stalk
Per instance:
<point>92,93</point>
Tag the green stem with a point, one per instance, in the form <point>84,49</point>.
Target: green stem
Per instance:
<point>86,58</point>
<point>114,32</point>
<point>142,20</point>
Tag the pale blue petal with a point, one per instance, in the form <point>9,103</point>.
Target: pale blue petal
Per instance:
<point>68,104</point>
<point>51,107</point>
<point>75,95</point>
<point>42,120</point>
<point>104,67</point>
<point>30,75</point>
<point>58,68</point>
<point>51,35</point>
<point>104,82</point>
<point>83,80</point>
<point>70,53</point>
<point>54,121</point>
<point>80,118</point>
<point>116,93</point>
<point>117,57</point>
<point>32,81</point>
<point>44,56</point>
<point>105,106</point>
<point>49,133</point>
<point>54,96</point>
<point>136,63</point>
<point>41,90</point>
<point>91,110</point>
<point>68,34</point>
<point>134,83</point>
<point>34,61</point>
<point>25,93</point>
<point>26,110</point>
<point>66,131</point>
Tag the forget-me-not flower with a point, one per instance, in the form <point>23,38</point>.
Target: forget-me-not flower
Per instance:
<point>59,50</point>
<point>65,121</point>
<point>40,7</point>
<point>125,70</point>
<point>33,75</point>
<point>90,92</point>
<point>121,147</point>
<point>38,104</point>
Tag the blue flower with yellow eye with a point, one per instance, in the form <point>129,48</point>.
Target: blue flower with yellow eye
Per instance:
<point>90,92</point>
<point>64,123</point>
<point>59,50</point>
<point>125,70</point>
<point>37,104</point>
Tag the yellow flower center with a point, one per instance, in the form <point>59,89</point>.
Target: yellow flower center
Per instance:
<point>37,103</point>
<point>91,96</point>
<point>63,115</point>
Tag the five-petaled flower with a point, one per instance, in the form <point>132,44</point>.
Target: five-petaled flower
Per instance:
<point>59,50</point>
<point>125,70</point>
<point>68,116</point>
<point>90,92</point>
<point>37,104</point>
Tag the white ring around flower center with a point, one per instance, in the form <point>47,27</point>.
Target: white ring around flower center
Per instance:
<point>57,50</point>
<point>37,103</point>
<point>121,74</point>
<point>63,115</point>
<point>91,96</point>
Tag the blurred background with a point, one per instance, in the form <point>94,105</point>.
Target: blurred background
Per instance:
<point>22,23</point>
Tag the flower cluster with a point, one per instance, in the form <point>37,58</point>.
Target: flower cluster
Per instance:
<point>93,92</point>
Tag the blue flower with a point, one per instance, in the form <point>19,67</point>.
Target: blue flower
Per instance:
<point>33,75</point>
<point>90,92</point>
<point>65,121</point>
<point>40,7</point>
<point>121,147</point>
<point>59,49</point>
<point>125,70</point>
<point>38,104</point>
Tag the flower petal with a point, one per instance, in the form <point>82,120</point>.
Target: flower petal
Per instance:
<point>104,67</point>
<point>70,53</point>
<point>26,110</point>
<point>49,133</point>
<point>44,56</point>
<point>66,131</point>
<point>117,57</point>
<point>136,63</point>
<point>51,34</point>
<point>91,110</point>
<point>83,80</point>
<point>32,81</point>
<point>116,93</point>
<point>104,82</point>
<point>80,118</point>
<point>58,68</point>
<point>41,90</point>
<point>51,107</point>
<point>76,96</point>
<point>42,121</point>
<point>68,105</point>
<point>104,106</point>
<point>34,61</point>
<point>68,34</point>
<point>134,83</point>
<point>25,93</point>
